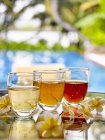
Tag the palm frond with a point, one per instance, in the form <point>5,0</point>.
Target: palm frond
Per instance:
<point>89,4</point>
<point>89,20</point>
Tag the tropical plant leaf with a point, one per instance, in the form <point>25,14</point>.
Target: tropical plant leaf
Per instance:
<point>102,5</point>
<point>67,15</point>
<point>89,20</point>
<point>89,4</point>
<point>95,34</point>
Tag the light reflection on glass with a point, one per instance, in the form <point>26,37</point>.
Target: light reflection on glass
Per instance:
<point>23,130</point>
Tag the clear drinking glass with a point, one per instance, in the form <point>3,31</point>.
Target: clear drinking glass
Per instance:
<point>76,84</point>
<point>23,95</point>
<point>51,88</point>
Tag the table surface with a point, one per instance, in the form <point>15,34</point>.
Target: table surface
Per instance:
<point>16,129</point>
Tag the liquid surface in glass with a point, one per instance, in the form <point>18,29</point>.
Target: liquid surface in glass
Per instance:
<point>51,92</point>
<point>75,90</point>
<point>23,98</point>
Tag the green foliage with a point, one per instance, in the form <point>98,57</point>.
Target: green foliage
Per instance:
<point>21,46</point>
<point>102,5</point>
<point>40,46</point>
<point>93,25</point>
<point>96,33</point>
<point>69,10</point>
<point>87,16</point>
<point>90,20</point>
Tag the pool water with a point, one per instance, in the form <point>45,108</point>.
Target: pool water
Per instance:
<point>69,59</point>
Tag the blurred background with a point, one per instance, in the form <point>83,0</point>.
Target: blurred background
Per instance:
<point>53,33</point>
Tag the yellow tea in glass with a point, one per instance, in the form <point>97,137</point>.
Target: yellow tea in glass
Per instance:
<point>51,89</point>
<point>23,95</point>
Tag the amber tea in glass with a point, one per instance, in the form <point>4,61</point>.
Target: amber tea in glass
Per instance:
<point>51,89</point>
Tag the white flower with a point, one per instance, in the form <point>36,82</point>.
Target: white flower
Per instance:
<point>96,103</point>
<point>85,111</point>
<point>4,104</point>
<point>49,125</point>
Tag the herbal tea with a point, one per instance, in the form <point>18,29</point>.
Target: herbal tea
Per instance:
<point>51,93</point>
<point>23,98</point>
<point>75,91</point>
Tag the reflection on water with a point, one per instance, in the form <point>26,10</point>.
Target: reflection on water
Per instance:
<point>23,130</point>
<point>10,59</point>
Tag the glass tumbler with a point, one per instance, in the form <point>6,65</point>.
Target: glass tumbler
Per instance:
<point>51,88</point>
<point>76,84</point>
<point>23,95</point>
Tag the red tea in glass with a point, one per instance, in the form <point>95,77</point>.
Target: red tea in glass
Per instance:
<point>75,90</point>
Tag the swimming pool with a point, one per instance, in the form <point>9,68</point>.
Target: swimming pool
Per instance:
<point>10,58</point>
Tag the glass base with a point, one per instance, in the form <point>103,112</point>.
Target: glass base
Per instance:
<point>48,107</point>
<point>75,105</point>
<point>20,114</point>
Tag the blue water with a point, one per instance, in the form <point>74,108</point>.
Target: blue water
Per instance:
<point>7,59</point>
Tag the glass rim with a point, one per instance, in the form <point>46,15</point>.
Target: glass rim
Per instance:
<point>24,73</point>
<point>49,71</point>
<point>75,68</point>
